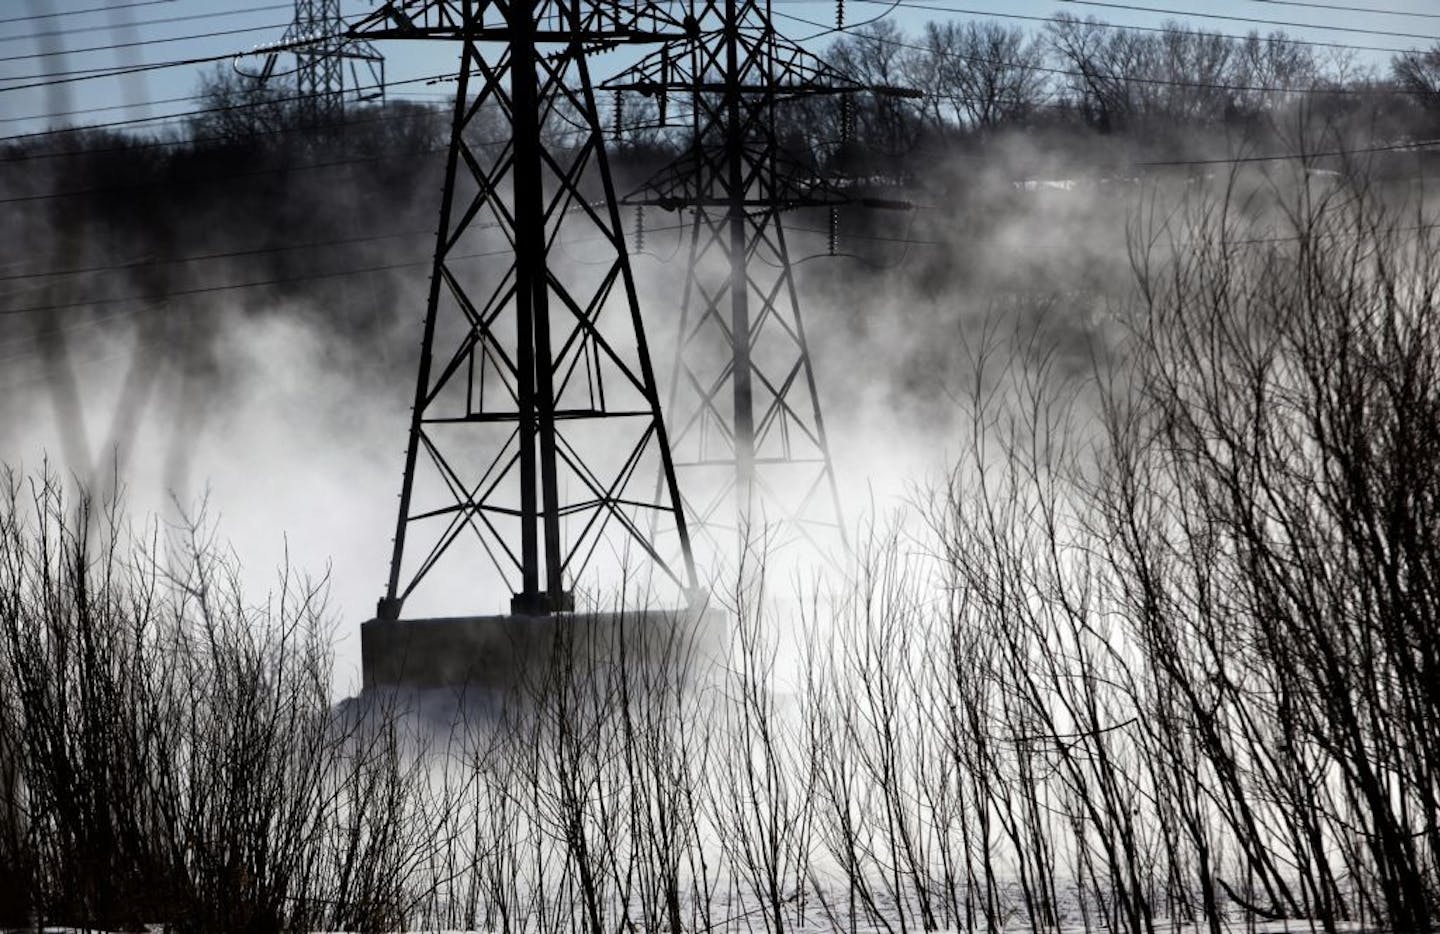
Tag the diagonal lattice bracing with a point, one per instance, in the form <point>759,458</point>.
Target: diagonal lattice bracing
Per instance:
<point>748,434</point>
<point>756,367</point>
<point>536,431</point>
<point>327,62</point>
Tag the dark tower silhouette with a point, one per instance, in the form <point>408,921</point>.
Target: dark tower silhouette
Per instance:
<point>748,433</point>
<point>536,430</point>
<point>324,54</point>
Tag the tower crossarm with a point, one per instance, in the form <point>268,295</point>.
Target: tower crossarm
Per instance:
<point>697,179</point>
<point>313,36</point>
<point>768,70</point>
<point>776,66</point>
<point>601,24</point>
<point>743,390</point>
<point>324,51</point>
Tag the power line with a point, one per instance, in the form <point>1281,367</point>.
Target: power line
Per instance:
<point>789,228</point>
<point>1245,241</point>
<point>890,3</point>
<point>1047,69</point>
<point>171,100</point>
<point>286,280</point>
<point>209,179</point>
<point>94,9</point>
<point>1252,19</point>
<point>147,22</point>
<point>86,74</point>
<point>224,108</point>
<point>94,110</point>
<point>273,170</point>
<point>198,140</point>
<point>890,6</point>
<point>1416,146</point>
<point>203,290</point>
<point>15,342</point>
<point>1349,9</point>
<point>250,134</point>
<point>145,42</point>
<point>48,79</point>
<point>203,257</point>
<point>16,138</point>
<point>1125,27</point>
<point>1328,235</point>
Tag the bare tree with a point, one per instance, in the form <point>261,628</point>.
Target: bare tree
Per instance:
<point>1418,74</point>
<point>980,74</point>
<point>876,55</point>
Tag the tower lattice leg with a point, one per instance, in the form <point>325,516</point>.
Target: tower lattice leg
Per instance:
<point>536,426</point>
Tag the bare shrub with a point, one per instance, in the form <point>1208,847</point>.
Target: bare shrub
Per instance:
<point>1161,649</point>
<point>171,752</point>
<point>1270,502</point>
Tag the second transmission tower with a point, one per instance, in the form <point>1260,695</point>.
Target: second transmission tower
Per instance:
<point>748,431</point>
<point>536,427</point>
<point>328,62</point>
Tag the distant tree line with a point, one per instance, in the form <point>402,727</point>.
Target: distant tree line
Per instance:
<point>248,167</point>
<point>1151,88</point>
<point>980,79</point>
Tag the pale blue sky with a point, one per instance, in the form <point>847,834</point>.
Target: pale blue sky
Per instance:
<point>29,46</point>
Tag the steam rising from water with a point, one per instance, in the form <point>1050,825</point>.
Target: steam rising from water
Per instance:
<point>288,415</point>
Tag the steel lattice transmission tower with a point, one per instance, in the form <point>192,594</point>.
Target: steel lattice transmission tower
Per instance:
<point>748,433</point>
<point>536,430</point>
<point>323,56</point>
